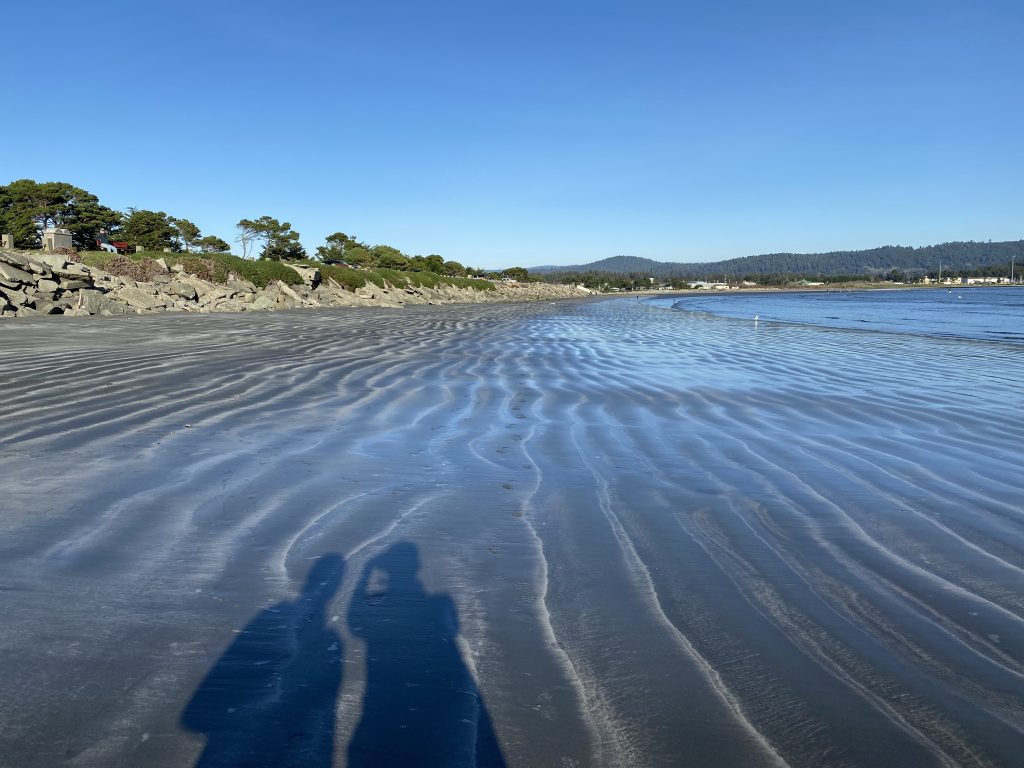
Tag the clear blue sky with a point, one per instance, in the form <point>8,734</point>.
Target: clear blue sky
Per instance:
<point>501,133</point>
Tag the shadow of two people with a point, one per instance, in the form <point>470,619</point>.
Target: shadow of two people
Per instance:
<point>270,699</point>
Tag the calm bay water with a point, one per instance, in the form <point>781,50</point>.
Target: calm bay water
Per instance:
<point>995,314</point>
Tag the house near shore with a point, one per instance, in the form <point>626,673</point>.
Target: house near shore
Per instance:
<point>703,285</point>
<point>984,280</point>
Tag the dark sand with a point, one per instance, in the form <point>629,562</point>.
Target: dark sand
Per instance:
<point>585,533</point>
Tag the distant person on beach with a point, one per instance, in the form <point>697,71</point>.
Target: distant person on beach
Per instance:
<point>422,706</point>
<point>270,699</point>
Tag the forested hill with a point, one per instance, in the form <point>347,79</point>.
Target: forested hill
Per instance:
<point>952,257</point>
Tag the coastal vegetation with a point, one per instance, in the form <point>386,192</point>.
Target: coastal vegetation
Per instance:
<point>28,207</point>
<point>214,267</point>
<point>219,267</point>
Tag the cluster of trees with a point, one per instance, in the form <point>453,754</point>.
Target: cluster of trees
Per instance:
<point>28,207</point>
<point>280,241</point>
<point>155,231</point>
<point>342,248</point>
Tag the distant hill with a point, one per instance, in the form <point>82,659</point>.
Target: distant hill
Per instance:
<point>953,257</point>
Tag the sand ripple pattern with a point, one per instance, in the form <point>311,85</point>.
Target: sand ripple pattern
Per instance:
<point>671,539</point>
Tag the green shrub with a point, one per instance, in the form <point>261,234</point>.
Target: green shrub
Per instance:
<point>205,268</point>
<point>218,267</point>
<point>471,282</point>
<point>262,272</point>
<point>350,279</point>
<point>430,280</point>
<point>212,267</point>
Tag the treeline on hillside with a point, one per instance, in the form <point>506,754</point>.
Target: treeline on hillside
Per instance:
<point>876,263</point>
<point>28,207</point>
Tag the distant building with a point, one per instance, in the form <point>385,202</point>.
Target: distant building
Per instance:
<point>703,285</point>
<point>983,280</point>
<point>55,238</point>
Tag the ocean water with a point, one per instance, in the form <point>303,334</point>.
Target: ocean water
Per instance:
<point>995,314</point>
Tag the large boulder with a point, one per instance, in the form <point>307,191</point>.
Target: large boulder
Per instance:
<point>310,275</point>
<point>13,275</point>
<point>288,298</point>
<point>183,290</point>
<point>263,301</point>
<point>140,298</point>
<point>16,297</point>
<point>93,301</point>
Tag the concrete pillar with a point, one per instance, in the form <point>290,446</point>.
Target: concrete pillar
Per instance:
<point>138,249</point>
<point>7,241</point>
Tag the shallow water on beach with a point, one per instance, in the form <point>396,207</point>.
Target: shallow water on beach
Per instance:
<point>601,533</point>
<point>964,312</point>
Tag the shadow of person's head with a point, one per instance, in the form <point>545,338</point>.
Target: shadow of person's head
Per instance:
<point>396,569</point>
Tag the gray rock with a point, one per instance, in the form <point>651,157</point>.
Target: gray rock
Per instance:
<point>210,298</point>
<point>262,301</point>
<point>241,286</point>
<point>11,274</point>
<point>10,257</point>
<point>93,302</point>
<point>49,308</point>
<point>17,298</point>
<point>72,271</point>
<point>73,285</point>
<point>47,285</point>
<point>115,307</point>
<point>310,275</point>
<point>140,298</point>
<point>52,260</point>
<point>183,290</point>
<point>288,293</point>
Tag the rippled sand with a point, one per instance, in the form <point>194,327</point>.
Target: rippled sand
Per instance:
<point>586,533</point>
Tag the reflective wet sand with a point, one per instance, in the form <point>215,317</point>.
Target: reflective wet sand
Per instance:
<point>585,533</point>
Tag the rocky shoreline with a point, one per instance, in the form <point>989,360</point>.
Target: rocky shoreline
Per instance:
<point>34,283</point>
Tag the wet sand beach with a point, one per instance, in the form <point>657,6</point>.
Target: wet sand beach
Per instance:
<point>585,533</point>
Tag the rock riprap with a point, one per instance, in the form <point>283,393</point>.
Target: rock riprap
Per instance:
<point>33,283</point>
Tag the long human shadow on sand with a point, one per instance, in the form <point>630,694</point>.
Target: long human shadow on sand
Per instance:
<point>270,699</point>
<point>422,706</point>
